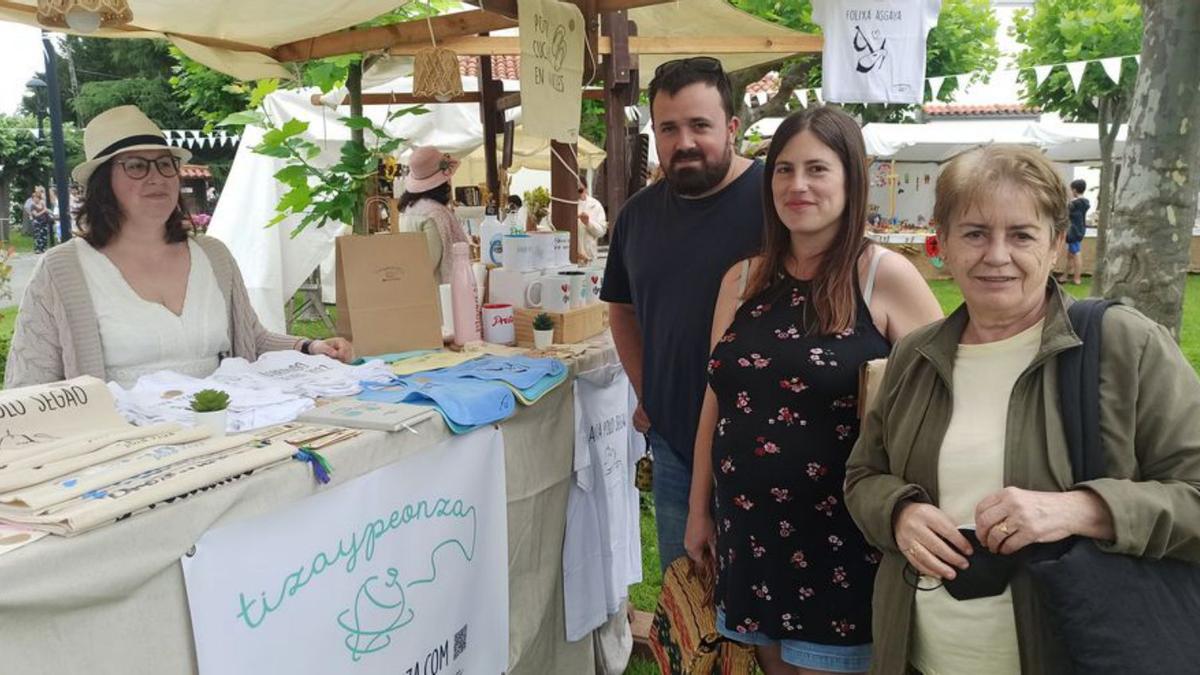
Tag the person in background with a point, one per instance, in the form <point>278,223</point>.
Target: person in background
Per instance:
<point>425,206</point>
<point>1077,212</point>
<point>791,330</point>
<point>670,245</point>
<point>43,221</point>
<point>513,204</point>
<point>968,433</point>
<point>593,223</point>
<point>134,293</point>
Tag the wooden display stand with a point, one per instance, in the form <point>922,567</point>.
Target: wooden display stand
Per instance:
<point>570,327</point>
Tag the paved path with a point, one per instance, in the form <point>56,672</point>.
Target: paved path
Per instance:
<point>23,264</point>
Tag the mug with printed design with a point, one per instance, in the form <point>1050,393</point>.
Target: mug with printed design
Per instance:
<point>595,278</point>
<point>562,249</point>
<point>519,254</point>
<point>499,324</point>
<point>543,250</point>
<point>580,288</point>
<point>552,293</point>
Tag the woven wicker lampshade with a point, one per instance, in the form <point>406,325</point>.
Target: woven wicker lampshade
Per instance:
<point>435,73</point>
<point>84,16</point>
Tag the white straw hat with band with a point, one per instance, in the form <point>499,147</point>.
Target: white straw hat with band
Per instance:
<point>118,130</point>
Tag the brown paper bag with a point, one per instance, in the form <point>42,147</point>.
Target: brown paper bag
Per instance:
<point>386,298</point>
<point>870,376</point>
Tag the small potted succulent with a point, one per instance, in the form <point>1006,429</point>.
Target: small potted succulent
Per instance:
<point>543,331</point>
<point>210,408</point>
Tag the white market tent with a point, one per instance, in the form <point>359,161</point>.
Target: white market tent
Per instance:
<point>1073,142</point>
<point>940,141</point>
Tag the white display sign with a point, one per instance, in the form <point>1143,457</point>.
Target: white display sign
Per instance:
<point>552,37</point>
<point>402,571</point>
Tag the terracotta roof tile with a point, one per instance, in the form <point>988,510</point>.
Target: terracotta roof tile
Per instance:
<point>503,67</point>
<point>194,171</point>
<point>983,110</point>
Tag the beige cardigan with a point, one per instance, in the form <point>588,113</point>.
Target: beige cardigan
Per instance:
<point>57,335</point>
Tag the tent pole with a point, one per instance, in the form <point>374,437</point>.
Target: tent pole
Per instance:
<point>618,93</point>
<point>354,85</point>
<point>490,90</point>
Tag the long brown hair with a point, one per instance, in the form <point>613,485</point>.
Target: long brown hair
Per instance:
<point>832,292</point>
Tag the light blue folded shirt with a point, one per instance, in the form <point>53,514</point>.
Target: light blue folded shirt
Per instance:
<point>465,404</point>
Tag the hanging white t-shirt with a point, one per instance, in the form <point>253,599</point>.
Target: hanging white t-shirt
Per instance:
<point>140,337</point>
<point>602,548</point>
<point>874,49</point>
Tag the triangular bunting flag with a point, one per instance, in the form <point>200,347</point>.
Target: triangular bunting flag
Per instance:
<point>802,96</point>
<point>236,139</point>
<point>1075,68</point>
<point>1040,73</point>
<point>820,101</point>
<point>935,85</point>
<point>1112,67</point>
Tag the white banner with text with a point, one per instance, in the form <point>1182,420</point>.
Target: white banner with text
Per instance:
<point>402,571</point>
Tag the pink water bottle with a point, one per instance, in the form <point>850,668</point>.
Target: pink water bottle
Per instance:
<point>463,299</point>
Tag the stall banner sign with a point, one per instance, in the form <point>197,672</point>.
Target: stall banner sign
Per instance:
<point>552,37</point>
<point>402,571</point>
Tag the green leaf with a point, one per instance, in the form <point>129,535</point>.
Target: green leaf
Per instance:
<point>243,118</point>
<point>292,175</point>
<point>357,122</point>
<point>280,151</point>
<point>279,218</point>
<point>261,90</point>
<point>297,199</point>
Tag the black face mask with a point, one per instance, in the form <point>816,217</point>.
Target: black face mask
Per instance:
<point>987,573</point>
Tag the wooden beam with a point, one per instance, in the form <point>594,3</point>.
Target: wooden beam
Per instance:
<point>713,45</point>
<point>415,32</point>
<point>616,86</point>
<point>490,90</point>
<point>509,7</point>
<point>564,190</point>
<point>504,102</point>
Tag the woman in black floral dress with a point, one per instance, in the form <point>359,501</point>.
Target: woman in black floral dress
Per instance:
<point>794,575</point>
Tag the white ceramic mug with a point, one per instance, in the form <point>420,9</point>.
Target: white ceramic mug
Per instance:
<point>562,249</point>
<point>552,293</point>
<point>580,288</point>
<point>499,325</point>
<point>595,278</point>
<point>543,249</point>
<point>519,253</point>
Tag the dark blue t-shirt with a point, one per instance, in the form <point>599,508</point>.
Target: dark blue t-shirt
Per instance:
<point>666,257</point>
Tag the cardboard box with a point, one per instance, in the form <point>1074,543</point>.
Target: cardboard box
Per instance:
<point>570,327</point>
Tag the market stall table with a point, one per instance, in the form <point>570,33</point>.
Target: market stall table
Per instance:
<point>113,600</point>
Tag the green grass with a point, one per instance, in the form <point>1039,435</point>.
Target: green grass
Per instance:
<point>644,596</point>
<point>641,666</point>
<point>20,242</point>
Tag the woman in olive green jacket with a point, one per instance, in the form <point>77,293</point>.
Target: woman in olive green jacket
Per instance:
<point>967,432</point>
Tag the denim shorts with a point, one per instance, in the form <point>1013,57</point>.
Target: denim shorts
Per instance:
<point>810,655</point>
<point>1074,246</point>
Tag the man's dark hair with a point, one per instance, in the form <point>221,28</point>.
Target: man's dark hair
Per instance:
<point>514,201</point>
<point>1079,185</point>
<point>99,217</point>
<point>673,76</point>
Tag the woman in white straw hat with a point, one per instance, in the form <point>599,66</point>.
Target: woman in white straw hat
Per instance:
<point>135,292</point>
<point>426,206</point>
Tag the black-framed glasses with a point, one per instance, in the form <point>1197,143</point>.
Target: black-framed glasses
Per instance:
<point>704,64</point>
<point>138,168</point>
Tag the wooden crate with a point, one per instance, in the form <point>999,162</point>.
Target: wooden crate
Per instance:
<point>571,326</point>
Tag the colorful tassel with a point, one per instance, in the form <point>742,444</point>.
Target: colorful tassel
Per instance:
<point>320,466</point>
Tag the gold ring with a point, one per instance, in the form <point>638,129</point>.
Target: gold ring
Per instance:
<point>1004,526</point>
<point>912,549</point>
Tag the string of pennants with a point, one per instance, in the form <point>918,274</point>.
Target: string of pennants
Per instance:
<point>1075,69</point>
<point>192,138</point>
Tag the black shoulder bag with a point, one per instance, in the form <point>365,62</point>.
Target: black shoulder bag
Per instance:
<point>1114,613</point>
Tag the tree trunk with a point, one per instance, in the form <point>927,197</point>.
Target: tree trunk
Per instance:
<point>1107,121</point>
<point>1149,247</point>
<point>354,87</point>
<point>6,213</point>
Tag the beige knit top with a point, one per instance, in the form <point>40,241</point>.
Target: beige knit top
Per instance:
<point>57,335</point>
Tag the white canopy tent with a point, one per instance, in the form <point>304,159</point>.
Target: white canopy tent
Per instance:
<point>940,141</point>
<point>1073,142</point>
<point>273,263</point>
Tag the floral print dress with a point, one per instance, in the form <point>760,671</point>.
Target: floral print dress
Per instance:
<point>791,564</point>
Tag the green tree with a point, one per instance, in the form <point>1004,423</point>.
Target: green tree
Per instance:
<point>26,160</point>
<point>1148,255</point>
<point>203,92</point>
<point>153,96</point>
<point>1059,31</point>
<point>964,41</point>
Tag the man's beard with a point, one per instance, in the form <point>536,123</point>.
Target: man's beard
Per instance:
<point>691,181</point>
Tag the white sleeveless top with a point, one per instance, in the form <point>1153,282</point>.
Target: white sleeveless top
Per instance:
<point>140,337</point>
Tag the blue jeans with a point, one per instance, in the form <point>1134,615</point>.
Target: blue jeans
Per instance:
<point>672,484</point>
<point>810,655</point>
